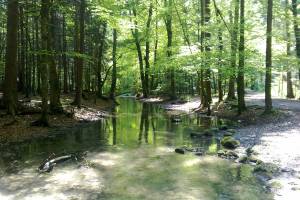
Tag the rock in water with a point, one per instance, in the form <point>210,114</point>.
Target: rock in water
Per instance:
<point>223,127</point>
<point>208,133</point>
<point>228,134</point>
<point>180,150</point>
<point>267,168</point>
<point>230,142</point>
<point>195,135</point>
<point>227,154</point>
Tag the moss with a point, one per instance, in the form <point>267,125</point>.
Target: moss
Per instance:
<point>267,168</point>
<point>230,142</point>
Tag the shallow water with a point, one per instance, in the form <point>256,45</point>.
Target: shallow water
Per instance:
<point>129,156</point>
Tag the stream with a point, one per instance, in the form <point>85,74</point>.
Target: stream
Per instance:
<point>128,156</point>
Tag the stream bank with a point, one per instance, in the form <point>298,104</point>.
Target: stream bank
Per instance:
<point>19,128</point>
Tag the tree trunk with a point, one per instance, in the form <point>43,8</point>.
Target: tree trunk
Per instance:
<point>55,105</point>
<point>114,69</point>
<point>136,36</point>
<point>80,49</point>
<point>268,81</point>
<point>147,50</point>
<point>64,56</point>
<point>37,47</point>
<point>290,92</point>
<point>21,70</point>
<point>10,82</point>
<point>240,78</point>
<point>168,22</point>
<point>234,41</point>
<point>100,60</point>
<point>43,121</point>
<point>220,63</point>
<point>28,62</point>
<point>207,98</point>
<point>296,29</point>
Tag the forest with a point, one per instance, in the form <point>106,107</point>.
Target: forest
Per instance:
<point>156,99</point>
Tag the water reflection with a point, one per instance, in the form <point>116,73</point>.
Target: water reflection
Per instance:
<point>132,125</point>
<point>131,155</point>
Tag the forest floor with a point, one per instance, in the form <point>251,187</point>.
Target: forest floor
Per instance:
<point>19,128</point>
<point>274,137</point>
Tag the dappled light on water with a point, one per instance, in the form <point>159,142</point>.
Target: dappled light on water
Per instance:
<point>130,156</point>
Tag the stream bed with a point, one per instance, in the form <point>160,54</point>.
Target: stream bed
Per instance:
<point>128,156</point>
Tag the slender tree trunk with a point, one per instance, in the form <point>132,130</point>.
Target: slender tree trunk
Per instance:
<point>240,78</point>
<point>10,82</point>
<point>290,92</point>
<point>137,39</point>
<point>28,62</point>
<point>64,56</point>
<point>220,63</point>
<point>114,69</point>
<point>168,22</point>
<point>37,47</point>
<point>200,74</point>
<point>205,73</point>
<point>45,14</point>
<point>296,29</point>
<point>21,70</point>
<point>79,61</point>
<point>147,50</point>
<point>55,105</point>
<point>34,63</point>
<point>234,42</point>
<point>268,81</point>
<point>101,52</point>
<point>153,85</point>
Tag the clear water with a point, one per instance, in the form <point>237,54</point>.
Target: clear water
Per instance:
<point>130,156</point>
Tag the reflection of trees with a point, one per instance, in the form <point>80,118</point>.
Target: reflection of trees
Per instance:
<point>144,124</point>
<point>114,125</point>
<point>206,123</point>
<point>152,123</point>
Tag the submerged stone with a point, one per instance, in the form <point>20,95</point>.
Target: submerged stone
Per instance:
<point>195,135</point>
<point>180,150</point>
<point>208,132</point>
<point>228,134</point>
<point>230,143</point>
<point>198,151</point>
<point>223,127</point>
<point>254,160</point>
<point>231,131</point>
<point>205,133</point>
<point>214,129</point>
<point>244,159</point>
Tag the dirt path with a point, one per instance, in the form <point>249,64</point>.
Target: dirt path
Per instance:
<point>277,142</point>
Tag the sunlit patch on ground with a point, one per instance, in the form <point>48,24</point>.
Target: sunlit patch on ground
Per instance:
<point>192,104</point>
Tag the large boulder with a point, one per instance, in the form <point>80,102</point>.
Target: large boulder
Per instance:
<point>230,143</point>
